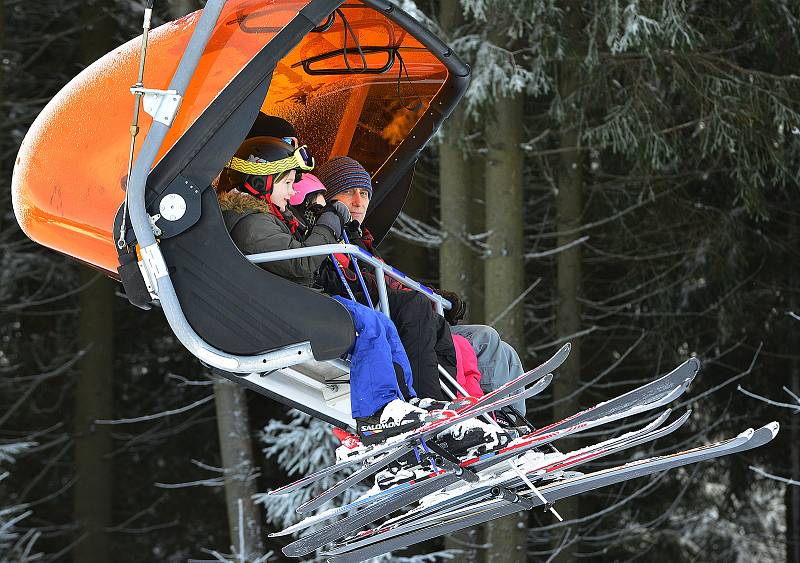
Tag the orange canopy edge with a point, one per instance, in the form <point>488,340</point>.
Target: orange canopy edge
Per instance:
<point>69,177</point>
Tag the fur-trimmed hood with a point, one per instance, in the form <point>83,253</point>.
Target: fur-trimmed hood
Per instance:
<point>239,202</point>
<point>254,229</point>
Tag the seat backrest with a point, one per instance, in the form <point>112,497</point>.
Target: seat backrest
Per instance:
<point>240,308</point>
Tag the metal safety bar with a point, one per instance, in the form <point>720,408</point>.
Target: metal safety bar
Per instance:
<point>380,267</point>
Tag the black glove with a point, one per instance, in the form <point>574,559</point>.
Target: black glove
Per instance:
<point>334,216</point>
<point>353,230</point>
<point>458,309</point>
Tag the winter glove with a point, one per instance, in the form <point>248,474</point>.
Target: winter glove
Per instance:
<point>334,216</point>
<point>353,230</point>
<point>458,309</point>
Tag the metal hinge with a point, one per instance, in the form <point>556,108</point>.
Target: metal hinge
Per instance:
<point>156,229</point>
<point>161,104</point>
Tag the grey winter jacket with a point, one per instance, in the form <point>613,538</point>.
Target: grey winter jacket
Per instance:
<point>254,230</point>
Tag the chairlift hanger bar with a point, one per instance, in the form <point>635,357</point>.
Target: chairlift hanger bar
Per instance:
<point>134,128</point>
<point>150,252</point>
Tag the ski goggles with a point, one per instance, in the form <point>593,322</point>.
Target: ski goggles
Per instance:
<point>303,149</point>
<point>300,160</point>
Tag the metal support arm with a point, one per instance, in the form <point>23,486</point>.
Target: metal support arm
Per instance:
<point>151,254</point>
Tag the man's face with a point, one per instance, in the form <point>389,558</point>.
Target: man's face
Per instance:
<point>356,200</point>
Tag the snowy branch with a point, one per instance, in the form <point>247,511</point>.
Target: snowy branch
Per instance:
<point>795,408</point>
<point>566,338</point>
<point>728,381</point>
<point>158,415</point>
<point>215,482</point>
<point>766,475</point>
<point>417,232</point>
<point>556,250</point>
<point>514,303</point>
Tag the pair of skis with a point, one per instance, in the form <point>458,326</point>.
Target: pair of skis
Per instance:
<point>502,501</point>
<point>539,376</point>
<point>646,397</point>
<point>552,462</point>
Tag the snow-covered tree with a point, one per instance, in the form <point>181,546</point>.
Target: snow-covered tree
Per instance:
<point>658,149</point>
<point>17,542</point>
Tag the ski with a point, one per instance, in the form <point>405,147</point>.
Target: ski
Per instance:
<point>368,515</point>
<point>687,370</point>
<point>538,438</point>
<point>630,468</point>
<point>353,479</point>
<point>406,441</point>
<point>328,514</point>
<point>602,413</point>
<point>523,380</point>
<point>540,469</point>
<point>430,485</point>
<point>504,503</point>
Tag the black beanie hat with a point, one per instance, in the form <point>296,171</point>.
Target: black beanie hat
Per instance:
<point>271,126</point>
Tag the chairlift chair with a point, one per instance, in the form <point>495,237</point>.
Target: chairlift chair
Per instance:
<point>359,78</point>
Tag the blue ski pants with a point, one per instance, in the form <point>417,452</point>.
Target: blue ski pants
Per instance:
<point>375,356</point>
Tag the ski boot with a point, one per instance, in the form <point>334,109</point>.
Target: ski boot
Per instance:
<point>473,438</point>
<point>395,418</point>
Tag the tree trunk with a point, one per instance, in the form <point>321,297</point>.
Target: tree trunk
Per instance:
<point>94,393</point>
<point>456,269</point>
<point>569,210</point>
<point>233,425</point>
<point>94,400</point>
<point>476,225</point>
<point>792,494</point>
<point>504,270</point>
<point>504,278</point>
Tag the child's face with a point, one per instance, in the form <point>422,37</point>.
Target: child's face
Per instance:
<point>283,190</point>
<point>318,199</point>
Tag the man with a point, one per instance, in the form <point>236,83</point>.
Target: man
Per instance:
<point>424,334</point>
<point>347,181</point>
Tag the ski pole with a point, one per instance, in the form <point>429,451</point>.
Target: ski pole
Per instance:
<point>510,462</point>
<point>342,277</point>
<point>358,273</point>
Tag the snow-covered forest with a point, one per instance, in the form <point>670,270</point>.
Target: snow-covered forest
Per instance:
<point>619,175</point>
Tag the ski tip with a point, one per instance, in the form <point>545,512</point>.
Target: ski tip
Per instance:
<point>662,417</point>
<point>566,347</point>
<point>773,427</point>
<point>695,361</point>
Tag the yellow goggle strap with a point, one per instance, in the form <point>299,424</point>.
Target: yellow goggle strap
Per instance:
<point>270,168</point>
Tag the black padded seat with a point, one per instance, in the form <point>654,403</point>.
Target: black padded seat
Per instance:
<point>241,308</point>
